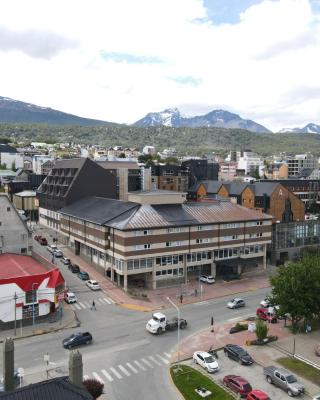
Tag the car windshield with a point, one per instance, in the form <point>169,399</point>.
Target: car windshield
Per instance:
<point>242,352</point>
<point>94,283</point>
<point>247,387</point>
<point>291,379</point>
<point>209,359</point>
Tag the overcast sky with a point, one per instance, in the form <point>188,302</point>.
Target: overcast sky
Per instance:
<point>117,60</point>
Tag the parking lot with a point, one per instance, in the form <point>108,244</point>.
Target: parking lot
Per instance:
<point>253,374</point>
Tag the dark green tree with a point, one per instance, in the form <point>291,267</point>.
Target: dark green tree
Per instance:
<point>172,161</point>
<point>122,155</point>
<point>296,289</point>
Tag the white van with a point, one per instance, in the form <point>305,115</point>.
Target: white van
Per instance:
<point>70,297</point>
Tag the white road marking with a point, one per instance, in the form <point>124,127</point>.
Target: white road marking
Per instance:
<point>106,300</point>
<point>97,377</point>
<point>108,376</point>
<point>132,368</point>
<point>147,362</point>
<point>116,373</point>
<point>112,301</point>
<point>100,301</point>
<point>164,360</point>
<point>124,370</point>
<point>154,360</point>
<point>201,303</point>
<point>140,365</point>
<point>81,304</point>
<point>87,304</point>
<point>167,355</point>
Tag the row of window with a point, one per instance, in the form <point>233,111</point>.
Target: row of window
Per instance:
<point>175,272</point>
<point>140,263</point>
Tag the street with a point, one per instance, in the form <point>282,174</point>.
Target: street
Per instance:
<point>129,360</point>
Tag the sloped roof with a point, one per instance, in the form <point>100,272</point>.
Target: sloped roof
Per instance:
<point>98,210</point>
<point>261,188</point>
<point>210,185</point>
<point>53,389</point>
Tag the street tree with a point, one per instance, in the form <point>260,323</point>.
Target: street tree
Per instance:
<point>296,289</point>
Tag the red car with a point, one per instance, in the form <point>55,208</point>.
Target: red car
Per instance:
<point>43,241</point>
<point>237,384</point>
<point>257,395</point>
<point>264,314</point>
<point>37,238</point>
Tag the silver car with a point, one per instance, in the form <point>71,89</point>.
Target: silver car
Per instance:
<point>236,303</point>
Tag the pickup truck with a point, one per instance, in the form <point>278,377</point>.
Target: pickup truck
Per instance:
<point>284,380</point>
<point>159,323</point>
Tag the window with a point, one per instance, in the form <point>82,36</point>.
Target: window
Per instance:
<point>144,232</point>
<point>259,234</point>
<point>176,229</point>
<point>143,246</point>
<point>173,244</point>
<point>259,222</point>
<point>204,240</point>
<point>31,296</point>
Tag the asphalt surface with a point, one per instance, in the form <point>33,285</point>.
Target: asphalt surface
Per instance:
<point>130,361</point>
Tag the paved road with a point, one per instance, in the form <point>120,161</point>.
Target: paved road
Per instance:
<point>128,359</point>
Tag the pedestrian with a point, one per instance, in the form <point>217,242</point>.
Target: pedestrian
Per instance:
<point>93,306</point>
<point>181,298</point>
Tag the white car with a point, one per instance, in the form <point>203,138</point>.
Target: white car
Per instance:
<point>57,253</point>
<point>93,285</point>
<point>236,303</point>
<point>207,279</point>
<point>316,397</point>
<point>70,297</point>
<point>206,360</point>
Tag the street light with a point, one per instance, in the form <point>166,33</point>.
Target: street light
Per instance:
<point>178,310</point>
<point>33,301</point>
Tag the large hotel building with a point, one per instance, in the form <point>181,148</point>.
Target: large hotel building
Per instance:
<point>158,239</point>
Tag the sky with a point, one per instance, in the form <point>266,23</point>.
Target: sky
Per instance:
<point>117,60</point>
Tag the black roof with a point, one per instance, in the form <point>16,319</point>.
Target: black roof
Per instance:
<point>53,389</point>
<point>5,148</point>
<point>98,210</point>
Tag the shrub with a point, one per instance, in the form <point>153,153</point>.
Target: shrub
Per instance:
<point>261,329</point>
<point>94,387</point>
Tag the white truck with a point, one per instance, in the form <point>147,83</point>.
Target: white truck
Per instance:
<point>159,323</point>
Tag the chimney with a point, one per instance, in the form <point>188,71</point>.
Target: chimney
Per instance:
<point>76,369</point>
<point>8,364</point>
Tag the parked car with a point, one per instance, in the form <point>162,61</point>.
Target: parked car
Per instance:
<point>52,248</point>
<point>83,275</point>
<point>265,315</point>
<point>237,384</point>
<point>57,253</point>
<point>206,360</point>
<point>237,353</point>
<point>65,261</point>
<point>236,303</point>
<point>284,379</point>
<point>70,297</point>
<point>37,237</point>
<point>316,397</point>
<point>93,285</point>
<point>74,268</point>
<point>16,379</point>
<point>257,395</point>
<point>43,241</point>
<point>77,339</point>
<point>207,279</point>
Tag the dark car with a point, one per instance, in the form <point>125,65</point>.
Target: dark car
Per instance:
<point>16,379</point>
<point>83,275</point>
<point>74,268</point>
<point>77,339</point>
<point>43,241</point>
<point>237,384</point>
<point>238,354</point>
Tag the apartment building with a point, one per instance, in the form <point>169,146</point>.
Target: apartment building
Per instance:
<point>300,162</point>
<point>170,177</point>
<point>163,242</point>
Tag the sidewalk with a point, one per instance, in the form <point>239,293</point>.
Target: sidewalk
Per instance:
<point>68,320</point>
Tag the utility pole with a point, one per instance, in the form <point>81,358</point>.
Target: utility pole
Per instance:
<point>15,297</point>
<point>178,310</point>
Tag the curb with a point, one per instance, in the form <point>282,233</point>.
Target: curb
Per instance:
<point>38,332</point>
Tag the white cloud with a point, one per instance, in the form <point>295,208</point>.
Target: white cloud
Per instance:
<point>263,67</point>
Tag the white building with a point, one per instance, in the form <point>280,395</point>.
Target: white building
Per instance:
<point>16,160</point>
<point>250,162</point>
<point>27,289</point>
<point>149,150</point>
<point>14,234</point>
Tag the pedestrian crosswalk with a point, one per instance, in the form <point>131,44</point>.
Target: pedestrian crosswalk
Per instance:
<point>128,369</point>
<point>82,305</point>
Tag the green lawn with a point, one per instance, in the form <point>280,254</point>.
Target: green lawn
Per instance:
<point>300,368</point>
<point>189,379</point>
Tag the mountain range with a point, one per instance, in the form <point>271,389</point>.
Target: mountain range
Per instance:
<point>214,119</point>
<point>15,111</point>
<point>310,128</point>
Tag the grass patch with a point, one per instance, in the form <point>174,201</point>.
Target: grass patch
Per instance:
<point>300,368</point>
<point>189,379</point>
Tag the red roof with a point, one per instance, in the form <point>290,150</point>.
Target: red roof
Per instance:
<point>25,271</point>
